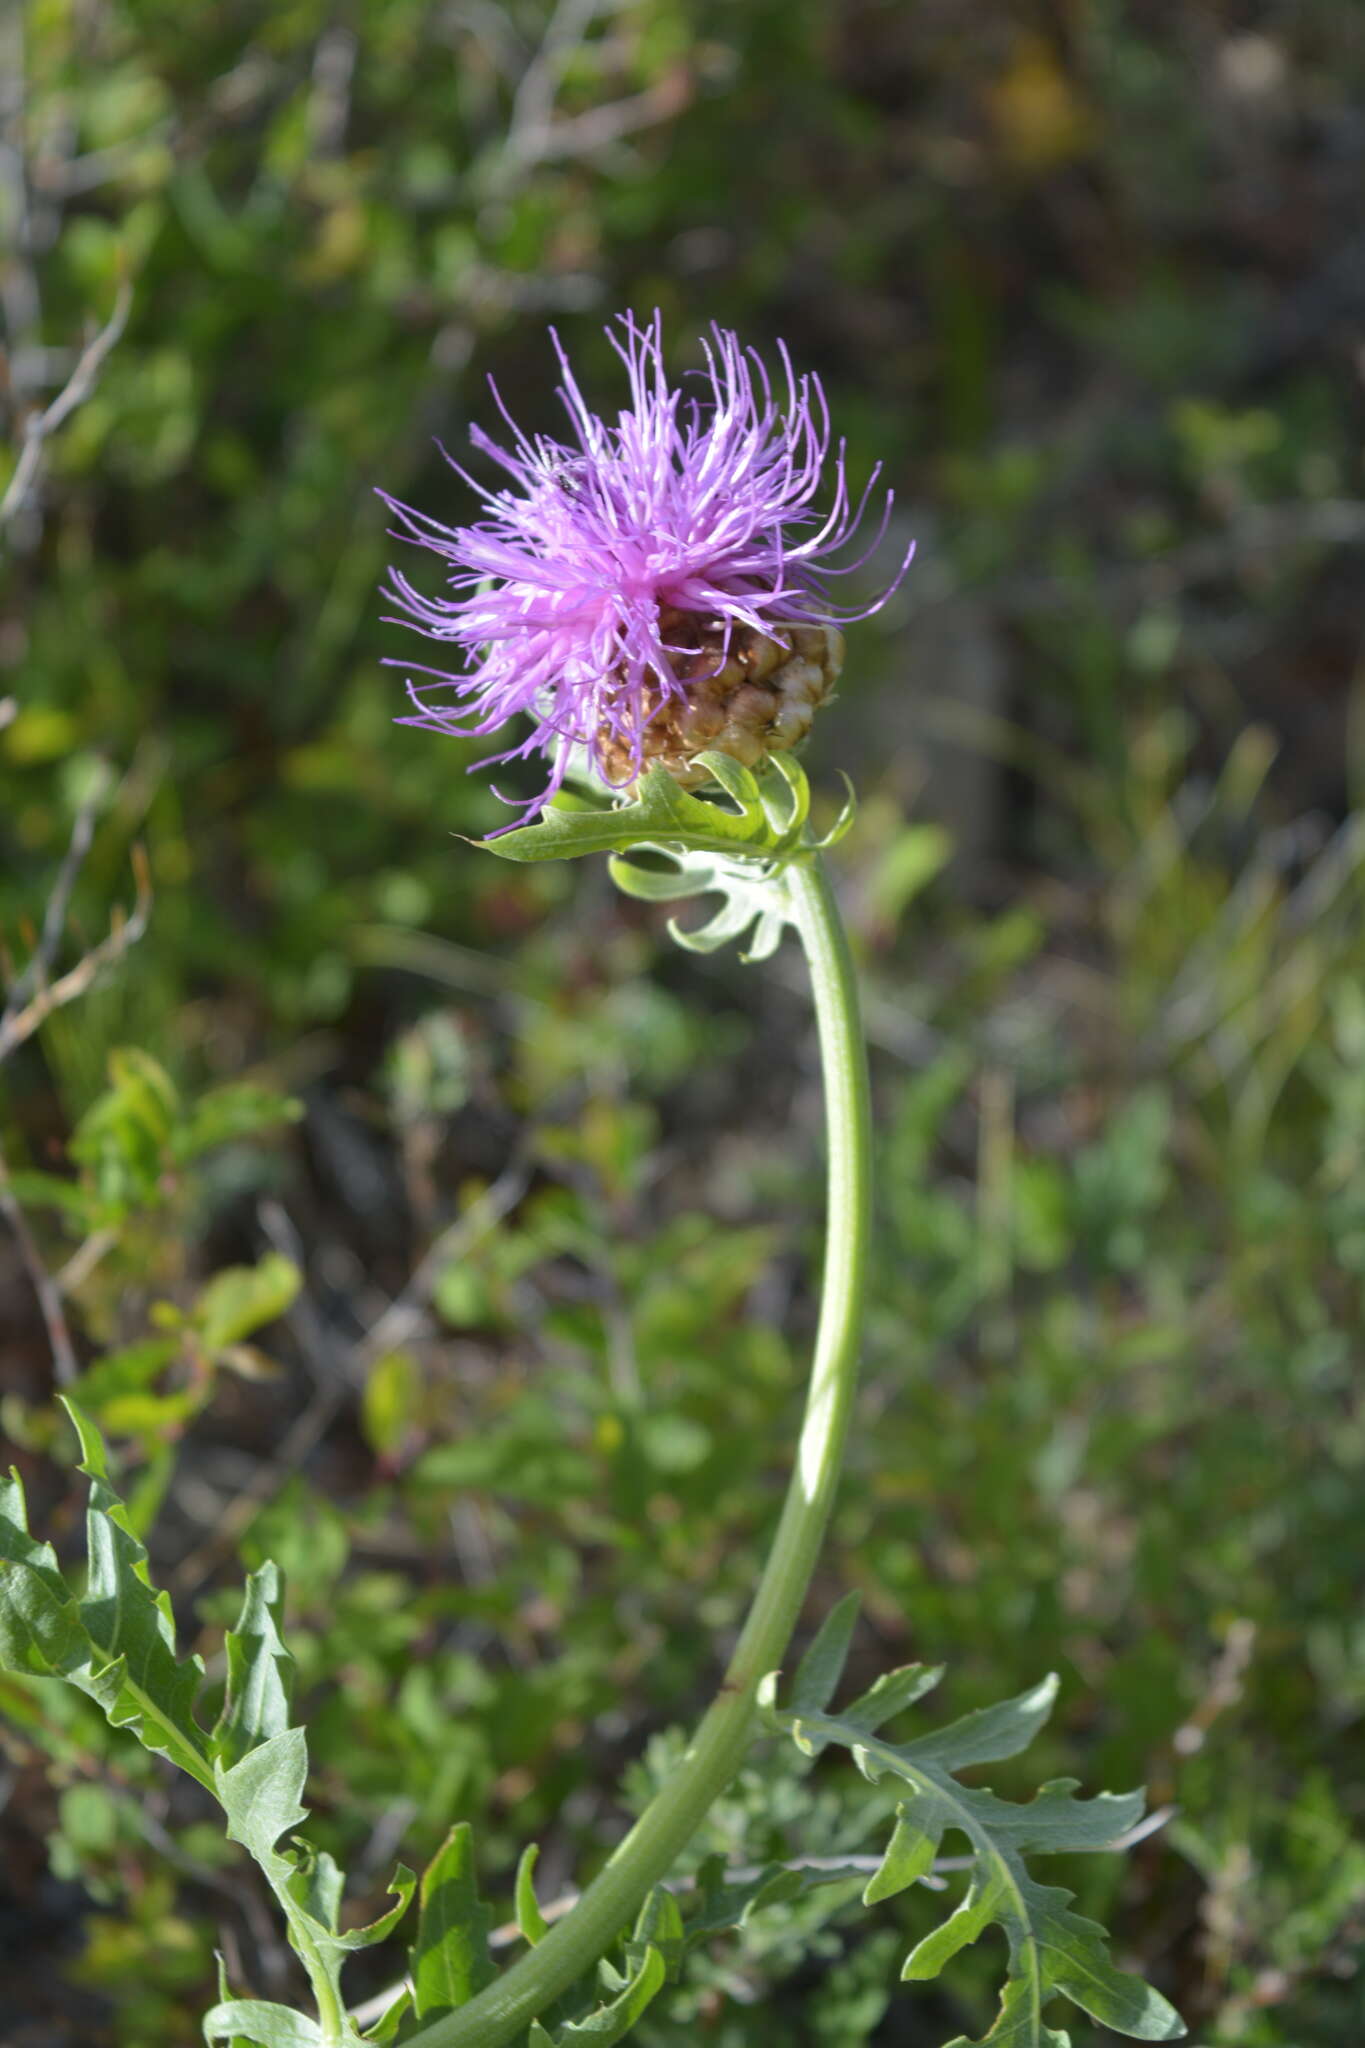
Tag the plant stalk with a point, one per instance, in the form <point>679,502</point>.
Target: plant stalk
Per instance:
<point>722,1740</point>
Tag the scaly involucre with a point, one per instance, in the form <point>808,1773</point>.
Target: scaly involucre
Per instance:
<point>564,590</point>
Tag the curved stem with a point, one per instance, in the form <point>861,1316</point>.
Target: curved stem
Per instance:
<point>722,1740</point>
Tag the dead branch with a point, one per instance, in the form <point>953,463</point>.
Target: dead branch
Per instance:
<point>78,387</point>
<point>20,1021</point>
<point>64,1362</point>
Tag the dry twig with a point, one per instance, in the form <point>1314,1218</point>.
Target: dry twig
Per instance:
<point>78,387</point>
<point>30,1000</point>
<point>20,1020</point>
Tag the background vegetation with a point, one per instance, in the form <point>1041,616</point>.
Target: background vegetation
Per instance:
<point>429,1223</point>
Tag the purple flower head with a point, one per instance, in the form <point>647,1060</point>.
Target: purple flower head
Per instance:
<point>580,593</point>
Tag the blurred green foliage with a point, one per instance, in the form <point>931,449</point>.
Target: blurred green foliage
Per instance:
<point>1088,282</point>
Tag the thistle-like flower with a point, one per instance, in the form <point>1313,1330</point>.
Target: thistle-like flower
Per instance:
<point>656,588</point>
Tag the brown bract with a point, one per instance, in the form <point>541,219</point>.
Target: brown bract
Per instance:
<point>759,700</point>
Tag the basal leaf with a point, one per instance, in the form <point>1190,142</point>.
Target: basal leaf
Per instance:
<point>144,1685</point>
<point>1052,1951</point>
<point>116,1642</point>
<point>1018,2024</point>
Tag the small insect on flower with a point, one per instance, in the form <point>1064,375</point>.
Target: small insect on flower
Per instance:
<point>656,588</point>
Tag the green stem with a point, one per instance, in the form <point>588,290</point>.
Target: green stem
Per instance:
<point>649,1851</point>
<point>333,2026</point>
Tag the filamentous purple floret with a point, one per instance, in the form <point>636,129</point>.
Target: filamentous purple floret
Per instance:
<point>697,504</point>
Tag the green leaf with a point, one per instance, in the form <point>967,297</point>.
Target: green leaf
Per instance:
<point>46,1191</point>
<point>241,1299</point>
<point>40,1626</point>
<point>451,1962</point>
<point>386,2027</point>
<point>659,1924</point>
<point>719,1902</point>
<point>1017,2024</point>
<point>116,1642</point>
<point>262,1797</point>
<point>260,1671</point>
<point>736,847</point>
<point>992,1733</point>
<point>821,1668</point>
<point>757,820</point>
<point>225,1115</point>
<point>315,1883</point>
<point>391,1402</point>
<point>611,2023</point>
<point>530,1919</point>
<point>909,1857</point>
<point>257,2020</point>
<point>123,1138</point>
<point>129,1371</point>
<point>1052,1951</point>
<point>402,1885</point>
<point>891,1694</point>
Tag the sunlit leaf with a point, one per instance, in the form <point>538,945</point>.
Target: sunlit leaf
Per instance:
<point>1052,1951</point>
<point>450,1961</point>
<point>257,2020</point>
<point>530,1919</point>
<point>241,1299</point>
<point>116,1641</point>
<point>260,1671</point>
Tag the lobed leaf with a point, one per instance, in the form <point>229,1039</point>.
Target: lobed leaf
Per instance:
<point>261,2022</point>
<point>756,820</point>
<point>260,1671</point>
<point>609,2023</point>
<point>1052,1951</point>
<point>262,1797</point>
<point>891,1694</point>
<point>822,1666</point>
<point>720,1902</point>
<point>736,847</point>
<point>116,1641</point>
